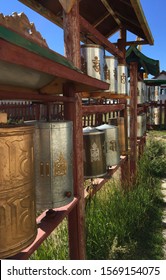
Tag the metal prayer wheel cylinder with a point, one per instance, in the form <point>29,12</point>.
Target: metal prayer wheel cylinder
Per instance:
<point>140,92</point>
<point>145,93</point>
<point>92,60</point>
<point>151,93</point>
<point>120,122</point>
<point>54,164</point>
<point>112,144</point>
<point>155,116</point>
<point>141,125</point>
<point>17,189</point>
<point>156,93</point>
<point>94,153</point>
<point>122,79</point>
<point>110,73</point>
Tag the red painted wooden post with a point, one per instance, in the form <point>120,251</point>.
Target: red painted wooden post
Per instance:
<point>73,112</point>
<point>71,28</point>
<point>125,167</point>
<point>133,117</point>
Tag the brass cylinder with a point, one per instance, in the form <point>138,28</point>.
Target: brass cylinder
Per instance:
<point>17,191</point>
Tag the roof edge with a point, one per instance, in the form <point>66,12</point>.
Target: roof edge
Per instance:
<point>142,20</point>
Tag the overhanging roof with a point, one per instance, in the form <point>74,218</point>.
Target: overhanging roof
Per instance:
<point>107,16</point>
<point>154,82</point>
<point>149,65</point>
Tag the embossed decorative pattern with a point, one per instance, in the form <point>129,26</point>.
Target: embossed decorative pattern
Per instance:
<point>17,198</point>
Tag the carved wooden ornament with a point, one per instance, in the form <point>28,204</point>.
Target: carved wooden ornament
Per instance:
<point>67,5</point>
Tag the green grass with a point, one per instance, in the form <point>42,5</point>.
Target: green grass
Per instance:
<point>55,247</point>
<point>124,225</point>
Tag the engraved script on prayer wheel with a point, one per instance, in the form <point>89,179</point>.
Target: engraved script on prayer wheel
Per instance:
<point>17,191</point>
<point>110,73</point>
<point>112,144</point>
<point>54,164</point>
<point>122,79</point>
<point>92,60</point>
<point>94,153</point>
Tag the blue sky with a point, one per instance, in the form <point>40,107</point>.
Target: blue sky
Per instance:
<point>155,11</point>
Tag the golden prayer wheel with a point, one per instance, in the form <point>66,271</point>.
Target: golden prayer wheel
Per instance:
<point>94,153</point>
<point>92,60</point>
<point>17,190</point>
<point>54,164</point>
<point>112,144</point>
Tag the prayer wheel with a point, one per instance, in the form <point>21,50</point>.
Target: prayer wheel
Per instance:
<point>151,93</point>
<point>140,92</point>
<point>155,116</point>
<point>122,79</point>
<point>145,93</point>
<point>17,189</point>
<point>122,132</point>
<point>112,144</point>
<point>156,93</point>
<point>110,72</point>
<point>92,60</point>
<point>94,153</point>
<point>54,164</point>
<point>141,124</point>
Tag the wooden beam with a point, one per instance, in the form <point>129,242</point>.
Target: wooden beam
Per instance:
<point>9,92</point>
<point>121,46</point>
<point>101,19</point>
<point>76,218</point>
<point>133,118</point>
<point>92,109</point>
<point>98,38</point>
<point>105,95</point>
<point>71,26</point>
<point>111,11</point>
<point>136,43</point>
<point>67,5</point>
<point>73,112</point>
<point>41,10</point>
